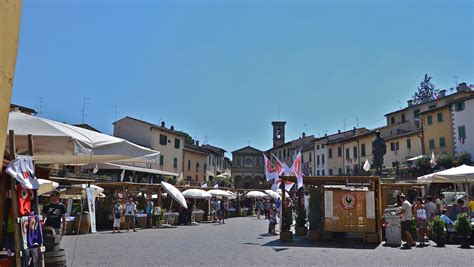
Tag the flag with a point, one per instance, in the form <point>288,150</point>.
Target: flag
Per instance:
<point>366,165</point>
<point>296,168</point>
<point>122,175</point>
<point>277,182</point>
<point>216,186</point>
<point>282,167</point>
<point>96,169</point>
<point>204,185</point>
<point>271,173</point>
<point>433,160</point>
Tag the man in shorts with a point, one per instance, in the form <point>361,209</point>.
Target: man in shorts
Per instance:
<point>130,209</point>
<point>117,213</point>
<point>407,217</point>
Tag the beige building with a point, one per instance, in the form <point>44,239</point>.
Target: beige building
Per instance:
<point>248,168</point>
<point>216,161</point>
<point>194,164</point>
<point>167,141</point>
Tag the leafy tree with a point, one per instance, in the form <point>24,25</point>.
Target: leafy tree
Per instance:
<point>463,158</point>
<point>445,160</point>
<point>423,166</point>
<point>426,91</point>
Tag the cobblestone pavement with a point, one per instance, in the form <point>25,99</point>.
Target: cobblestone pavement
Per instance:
<point>243,242</point>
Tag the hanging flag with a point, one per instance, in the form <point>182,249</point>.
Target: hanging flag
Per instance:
<point>284,169</point>
<point>204,185</point>
<point>366,165</point>
<point>433,160</point>
<point>216,186</point>
<point>276,185</point>
<point>122,175</point>
<point>96,169</point>
<point>271,173</point>
<point>296,169</point>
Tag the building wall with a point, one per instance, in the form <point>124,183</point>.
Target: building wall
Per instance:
<point>438,130</point>
<point>402,152</point>
<point>320,158</point>
<point>215,165</point>
<point>133,131</point>
<point>308,162</point>
<point>168,152</point>
<point>248,168</point>
<point>193,166</point>
<point>464,118</point>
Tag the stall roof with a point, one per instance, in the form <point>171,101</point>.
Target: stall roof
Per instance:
<point>139,169</point>
<point>71,180</point>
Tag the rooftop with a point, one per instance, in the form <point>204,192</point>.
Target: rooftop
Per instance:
<point>156,126</point>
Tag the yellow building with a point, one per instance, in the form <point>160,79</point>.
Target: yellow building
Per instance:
<point>402,147</point>
<point>194,163</point>
<point>437,130</point>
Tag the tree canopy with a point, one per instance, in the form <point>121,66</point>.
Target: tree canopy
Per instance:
<point>426,91</point>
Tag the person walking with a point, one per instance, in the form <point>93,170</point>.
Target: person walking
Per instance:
<point>430,207</point>
<point>258,208</point>
<point>130,211</point>
<point>421,220</point>
<point>149,212</point>
<point>406,216</point>
<point>117,211</point>
<point>221,212</point>
<point>55,214</point>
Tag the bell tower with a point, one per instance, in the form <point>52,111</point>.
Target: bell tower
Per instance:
<point>278,132</point>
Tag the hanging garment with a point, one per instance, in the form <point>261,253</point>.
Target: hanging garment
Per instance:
<point>24,231</point>
<point>24,200</point>
<point>23,170</point>
<point>35,233</point>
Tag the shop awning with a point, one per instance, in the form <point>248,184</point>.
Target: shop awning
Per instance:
<point>137,169</point>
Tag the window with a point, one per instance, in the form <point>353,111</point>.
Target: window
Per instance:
<point>197,166</point>
<point>162,160</point>
<point>431,143</point>
<point>317,159</point>
<point>339,151</point>
<point>409,143</point>
<point>175,163</point>
<point>279,154</point>
<point>440,117</point>
<point>347,153</point>
<point>392,146</point>
<point>189,165</point>
<point>354,150</point>
<point>322,159</point>
<point>403,118</point>
<point>362,150</point>
<point>317,147</point>
<point>177,143</point>
<point>323,173</point>
<point>416,113</point>
<point>330,171</point>
<point>392,120</point>
<point>205,167</point>
<point>462,133</point>
<point>330,153</point>
<point>310,157</point>
<point>397,146</point>
<point>209,160</point>
<point>163,139</point>
<point>238,162</point>
<point>430,120</point>
<point>197,178</point>
<point>317,173</point>
<point>322,146</point>
<point>459,106</point>
<point>442,142</point>
<point>284,154</point>
<point>339,171</point>
<point>348,170</point>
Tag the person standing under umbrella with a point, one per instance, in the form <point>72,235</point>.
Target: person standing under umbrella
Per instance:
<point>221,211</point>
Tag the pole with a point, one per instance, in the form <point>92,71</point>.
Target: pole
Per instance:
<point>16,230</point>
<point>282,205</point>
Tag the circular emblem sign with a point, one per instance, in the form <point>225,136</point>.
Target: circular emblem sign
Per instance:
<point>348,201</point>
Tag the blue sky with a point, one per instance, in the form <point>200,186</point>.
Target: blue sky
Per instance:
<point>225,69</point>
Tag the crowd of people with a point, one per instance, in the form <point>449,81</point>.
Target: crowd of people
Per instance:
<point>422,213</point>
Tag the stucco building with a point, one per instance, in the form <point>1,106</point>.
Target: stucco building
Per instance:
<point>194,164</point>
<point>216,162</point>
<point>248,168</point>
<point>462,112</point>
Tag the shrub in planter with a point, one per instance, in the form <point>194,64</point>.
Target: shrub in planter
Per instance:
<point>301,221</point>
<point>286,222</point>
<point>463,229</point>
<point>438,231</point>
<point>316,212</point>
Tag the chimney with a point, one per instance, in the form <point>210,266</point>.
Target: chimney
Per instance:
<point>197,142</point>
<point>462,87</point>
<point>303,135</point>
<point>354,129</point>
<point>172,128</point>
<point>163,124</point>
<point>441,93</point>
<point>410,103</point>
<point>325,135</point>
<point>338,131</point>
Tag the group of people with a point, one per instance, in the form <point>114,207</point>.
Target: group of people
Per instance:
<point>263,207</point>
<point>129,212</point>
<point>423,211</point>
<point>219,210</point>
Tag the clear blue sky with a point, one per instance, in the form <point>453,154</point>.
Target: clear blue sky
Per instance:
<point>223,70</point>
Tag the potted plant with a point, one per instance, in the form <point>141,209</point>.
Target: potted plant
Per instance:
<point>300,221</point>
<point>438,231</point>
<point>316,212</point>
<point>286,222</point>
<point>463,229</point>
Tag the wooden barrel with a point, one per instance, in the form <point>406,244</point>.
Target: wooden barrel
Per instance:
<point>85,225</point>
<point>55,258</point>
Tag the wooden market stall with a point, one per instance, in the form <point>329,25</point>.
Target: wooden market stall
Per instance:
<point>352,204</point>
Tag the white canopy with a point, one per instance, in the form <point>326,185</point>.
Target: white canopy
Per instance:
<point>277,194</point>
<point>196,193</point>
<point>174,193</point>
<point>46,186</point>
<point>255,194</point>
<point>223,175</point>
<point>56,142</point>
<point>461,174</point>
<point>232,195</point>
<point>218,192</point>
<point>417,158</point>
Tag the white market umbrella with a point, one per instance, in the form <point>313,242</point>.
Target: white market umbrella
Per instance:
<point>61,143</point>
<point>97,189</point>
<point>232,195</point>
<point>279,193</point>
<point>417,158</point>
<point>461,174</point>
<point>255,194</point>
<point>272,194</point>
<point>46,186</point>
<point>219,193</point>
<point>175,194</point>
<point>196,193</point>
<point>223,175</point>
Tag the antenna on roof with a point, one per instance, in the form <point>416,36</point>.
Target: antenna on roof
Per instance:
<point>357,122</point>
<point>40,99</point>
<point>84,104</point>
<point>115,113</point>
<point>344,124</point>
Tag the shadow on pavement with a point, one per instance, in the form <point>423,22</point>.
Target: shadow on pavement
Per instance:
<point>300,241</point>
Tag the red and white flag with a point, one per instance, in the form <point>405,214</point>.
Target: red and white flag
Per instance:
<point>282,167</point>
<point>271,173</point>
<point>296,168</point>
<point>277,182</point>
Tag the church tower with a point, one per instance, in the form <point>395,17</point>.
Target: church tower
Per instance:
<point>278,133</point>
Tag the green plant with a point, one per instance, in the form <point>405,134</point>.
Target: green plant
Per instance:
<point>445,160</point>
<point>462,158</point>
<point>301,216</point>
<point>463,225</point>
<point>437,227</point>
<point>423,166</point>
<point>316,209</point>
<point>287,220</point>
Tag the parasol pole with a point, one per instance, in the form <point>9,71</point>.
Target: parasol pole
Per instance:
<point>169,215</point>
